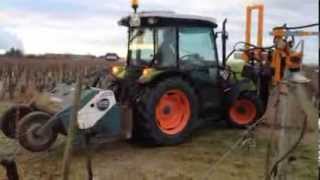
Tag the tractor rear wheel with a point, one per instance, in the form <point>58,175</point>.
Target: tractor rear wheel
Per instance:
<point>11,117</point>
<point>169,111</point>
<point>27,136</point>
<point>245,110</point>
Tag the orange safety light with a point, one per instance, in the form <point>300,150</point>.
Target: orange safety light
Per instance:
<point>135,4</point>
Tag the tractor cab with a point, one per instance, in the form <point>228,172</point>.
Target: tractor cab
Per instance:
<point>170,40</point>
<point>172,79</point>
<point>165,44</point>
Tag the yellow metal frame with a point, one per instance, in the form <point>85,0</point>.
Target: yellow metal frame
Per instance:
<point>250,9</point>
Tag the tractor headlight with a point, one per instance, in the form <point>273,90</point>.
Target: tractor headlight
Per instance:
<point>152,21</point>
<point>147,71</point>
<point>116,70</point>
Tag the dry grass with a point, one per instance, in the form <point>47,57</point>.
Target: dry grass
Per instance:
<point>190,160</point>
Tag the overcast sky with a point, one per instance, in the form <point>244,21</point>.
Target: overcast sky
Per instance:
<point>90,26</point>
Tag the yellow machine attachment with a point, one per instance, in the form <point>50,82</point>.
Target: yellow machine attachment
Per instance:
<point>285,53</point>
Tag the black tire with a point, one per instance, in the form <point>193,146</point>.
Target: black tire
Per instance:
<point>146,127</point>
<point>256,103</point>
<point>11,117</point>
<point>26,132</point>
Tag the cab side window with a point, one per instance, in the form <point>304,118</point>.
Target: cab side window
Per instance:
<point>166,43</point>
<point>196,47</point>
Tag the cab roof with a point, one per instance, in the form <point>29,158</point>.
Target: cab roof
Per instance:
<point>168,18</point>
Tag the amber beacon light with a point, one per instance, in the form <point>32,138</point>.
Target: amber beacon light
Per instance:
<point>135,4</point>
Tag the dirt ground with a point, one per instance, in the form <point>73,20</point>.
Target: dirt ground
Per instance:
<point>195,159</point>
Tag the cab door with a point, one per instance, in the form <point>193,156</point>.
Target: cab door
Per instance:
<point>198,57</point>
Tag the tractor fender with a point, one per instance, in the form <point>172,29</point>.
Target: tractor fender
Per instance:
<point>159,75</point>
<point>232,92</point>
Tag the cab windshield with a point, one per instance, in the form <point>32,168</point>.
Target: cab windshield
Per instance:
<point>153,46</point>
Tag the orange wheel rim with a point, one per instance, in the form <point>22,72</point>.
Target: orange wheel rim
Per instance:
<point>173,112</point>
<point>243,112</point>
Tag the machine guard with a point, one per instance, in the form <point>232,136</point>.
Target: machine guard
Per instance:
<point>112,122</point>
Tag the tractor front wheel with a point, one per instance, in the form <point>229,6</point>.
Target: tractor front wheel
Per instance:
<point>245,110</point>
<point>27,136</point>
<point>169,112</point>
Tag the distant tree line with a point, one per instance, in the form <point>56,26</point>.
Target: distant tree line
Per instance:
<point>14,53</point>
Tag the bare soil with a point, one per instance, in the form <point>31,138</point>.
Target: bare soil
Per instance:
<point>195,159</point>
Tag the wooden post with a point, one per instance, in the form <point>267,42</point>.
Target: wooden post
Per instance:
<point>71,131</point>
<point>271,115</point>
<point>285,138</point>
<point>11,168</point>
<point>291,108</point>
<point>88,158</point>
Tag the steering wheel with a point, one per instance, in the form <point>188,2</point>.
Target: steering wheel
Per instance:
<point>192,60</point>
<point>189,57</point>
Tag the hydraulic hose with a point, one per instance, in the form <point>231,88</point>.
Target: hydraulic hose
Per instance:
<point>297,27</point>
